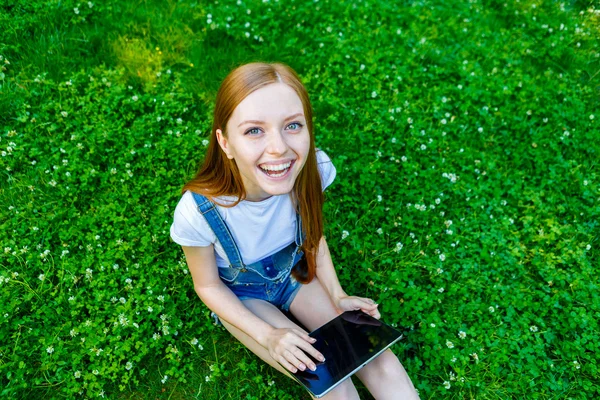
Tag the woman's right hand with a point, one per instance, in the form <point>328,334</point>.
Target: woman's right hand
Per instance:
<point>289,347</point>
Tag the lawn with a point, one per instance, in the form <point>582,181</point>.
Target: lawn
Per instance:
<point>467,199</point>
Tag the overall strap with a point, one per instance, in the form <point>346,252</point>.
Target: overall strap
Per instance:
<point>208,209</point>
<point>300,235</point>
<point>299,231</point>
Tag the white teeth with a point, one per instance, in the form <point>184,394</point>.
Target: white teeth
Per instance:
<point>279,167</point>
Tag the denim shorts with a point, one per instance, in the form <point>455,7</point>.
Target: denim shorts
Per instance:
<point>280,293</point>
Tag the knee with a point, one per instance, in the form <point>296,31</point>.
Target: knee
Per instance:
<point>387,366</point>
<point>345,391</point>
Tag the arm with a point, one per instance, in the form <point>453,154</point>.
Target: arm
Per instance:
<point>218,298</point>
<point>282,343</point>
<point>328,278</point>
<point>326,272</point>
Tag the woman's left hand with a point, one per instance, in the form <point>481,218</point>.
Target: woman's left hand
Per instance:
<point>351,303</point>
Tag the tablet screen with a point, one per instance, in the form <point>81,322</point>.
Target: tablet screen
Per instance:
<point>347,342</point>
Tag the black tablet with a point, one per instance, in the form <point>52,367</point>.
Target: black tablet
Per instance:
<point>348,343</point>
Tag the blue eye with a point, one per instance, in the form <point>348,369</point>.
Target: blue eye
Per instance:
<point>252,131</point>
<point>299,125</point>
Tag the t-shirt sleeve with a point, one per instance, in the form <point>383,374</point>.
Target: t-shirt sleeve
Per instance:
<point>189,227</point>
<point>326,169</point>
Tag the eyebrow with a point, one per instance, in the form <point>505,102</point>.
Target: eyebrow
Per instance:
<point>252,121</point>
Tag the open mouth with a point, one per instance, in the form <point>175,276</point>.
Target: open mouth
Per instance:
<point>276,171</point>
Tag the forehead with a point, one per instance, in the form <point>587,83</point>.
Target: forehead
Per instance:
<point>271,102</point>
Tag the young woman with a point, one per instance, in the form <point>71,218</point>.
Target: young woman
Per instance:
<point>250,225</point>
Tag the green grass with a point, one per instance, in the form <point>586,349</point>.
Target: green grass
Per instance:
<point>466,131</point>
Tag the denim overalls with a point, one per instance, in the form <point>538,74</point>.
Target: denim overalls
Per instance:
<point>268,279</point>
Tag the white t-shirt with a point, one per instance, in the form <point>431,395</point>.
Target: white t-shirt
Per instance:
<point>259,228</point>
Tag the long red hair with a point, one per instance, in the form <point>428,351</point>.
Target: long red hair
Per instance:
<point>219,176</point>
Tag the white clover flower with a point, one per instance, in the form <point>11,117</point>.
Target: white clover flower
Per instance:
<point>41,277</point>
<point>462,334</point>
<point>128,366</point>
<point>423,147</point>
<point>194,341</point>
<point>345,234</point>
<point>77,374</point>
<point>122,300</point>
<point>591,117</point>
<point>533,328</point>
<point>90,4</point>
<point>491,309</point>
<point>95,372</point>
<point>449,344</point>
<point>441,290</point>
<point>588,247</point>
<point>156,336</point>
<point>113,171</point>
<point>76,10</point>
<point>447,384</point>
<point>50,349</point>
<point>379,198</point>
<point>576,364</point>
<point>373,94</point>
<point>379,231</point>
<point>164,379</point>
<point>134,98</point>
<point>475,356</point>
<point>150,309</point>
<point>404,159</point>
<point>432,325</point>
<point>399,247</point>
<point>453,359</point>
<point>161,298</point>
<point>179,121</point>
<point>442,257</point>
<point>64,114</point>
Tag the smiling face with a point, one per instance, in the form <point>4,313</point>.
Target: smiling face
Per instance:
<point>268,139</point>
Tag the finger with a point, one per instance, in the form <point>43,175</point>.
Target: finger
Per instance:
<point>370,301</point>
<point>308,349</point>
<point>304,336</point>
<point>291,357</point>
<point>304,359</point>
<point>366,307</point>
<point>376,314</point>
<point>286,364</point>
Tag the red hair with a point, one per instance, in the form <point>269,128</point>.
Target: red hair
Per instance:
<point>219,176</point>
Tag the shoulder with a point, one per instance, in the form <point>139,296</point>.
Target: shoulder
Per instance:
<point>189,227</point>
<point>326,168</point>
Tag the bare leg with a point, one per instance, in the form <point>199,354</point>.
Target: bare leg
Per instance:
<point>272,315</point>
<point>384,377</point>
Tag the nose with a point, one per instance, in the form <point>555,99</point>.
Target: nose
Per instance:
<point>276,143</point>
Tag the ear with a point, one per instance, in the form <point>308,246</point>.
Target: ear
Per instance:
<point>223,143</point>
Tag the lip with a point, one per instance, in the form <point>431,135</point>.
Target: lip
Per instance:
<point>278,162</point>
